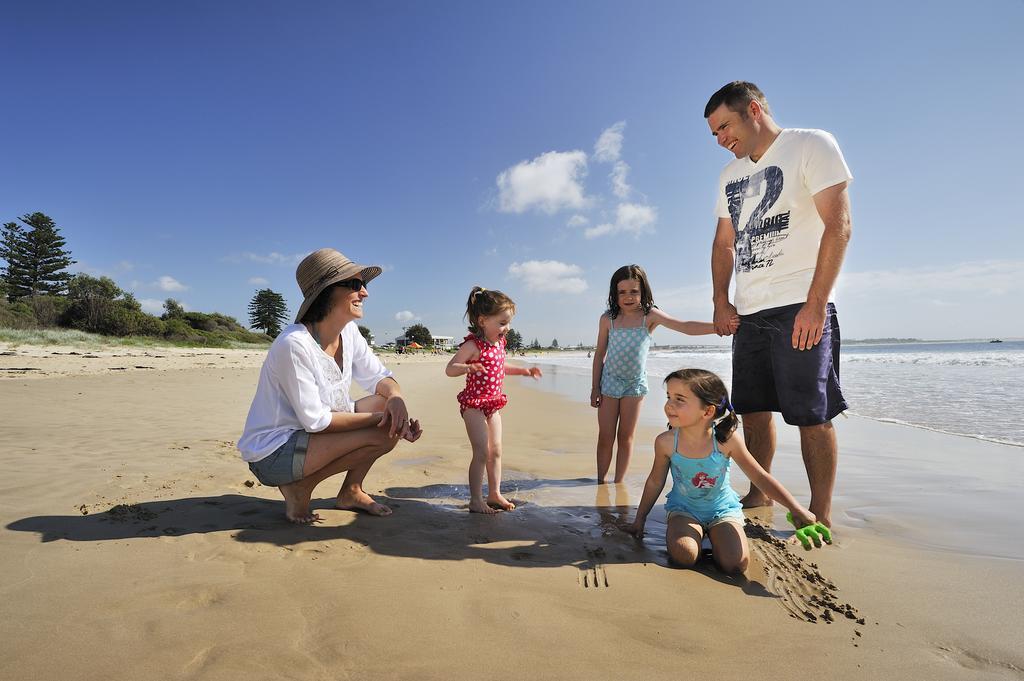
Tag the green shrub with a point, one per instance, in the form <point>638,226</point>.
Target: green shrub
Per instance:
<point>17,316</point>
<point>47,310</point>
<point>179,330</point>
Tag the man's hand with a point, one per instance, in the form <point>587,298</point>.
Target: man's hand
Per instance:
<point>726,319</point>
<point>808,326</point>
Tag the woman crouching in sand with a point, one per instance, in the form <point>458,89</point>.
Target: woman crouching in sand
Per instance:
<point>302,426</point>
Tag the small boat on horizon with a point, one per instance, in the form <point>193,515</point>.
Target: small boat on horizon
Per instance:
<point>995,340</point>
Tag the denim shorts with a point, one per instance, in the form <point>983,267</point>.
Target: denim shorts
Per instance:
<point>285,464</point>
<point>769,375</point>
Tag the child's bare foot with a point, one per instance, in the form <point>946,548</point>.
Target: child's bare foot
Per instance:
<point>755,499</point>
<point>479,506</point>
<point>296,503</point>
<point>498,501</point>
<point>359,500</point>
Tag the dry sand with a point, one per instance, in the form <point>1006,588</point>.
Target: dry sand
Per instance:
<point>136,545</point>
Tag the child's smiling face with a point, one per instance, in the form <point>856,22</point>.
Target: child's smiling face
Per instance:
<point>494,326</point>
<point>682,407</point>
<point>628,291</point>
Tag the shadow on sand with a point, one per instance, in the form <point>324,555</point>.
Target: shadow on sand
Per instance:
<point>429,523</point>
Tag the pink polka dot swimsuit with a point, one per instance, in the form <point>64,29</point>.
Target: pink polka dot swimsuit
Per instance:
<point>483,390</point>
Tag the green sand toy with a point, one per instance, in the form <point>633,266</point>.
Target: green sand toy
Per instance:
<point>815,533</point>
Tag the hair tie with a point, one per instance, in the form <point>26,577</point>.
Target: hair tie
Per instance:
<point>725,405</point>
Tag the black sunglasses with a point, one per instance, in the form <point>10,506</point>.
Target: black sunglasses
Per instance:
<point>353,284</point>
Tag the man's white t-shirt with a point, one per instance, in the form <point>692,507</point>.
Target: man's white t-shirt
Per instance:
<point>778,229</point>
<point>300,386</point>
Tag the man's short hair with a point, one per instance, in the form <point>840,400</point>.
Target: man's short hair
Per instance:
<point>737,96</point>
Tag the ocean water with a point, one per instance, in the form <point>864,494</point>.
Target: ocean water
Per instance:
<point>967,388</point>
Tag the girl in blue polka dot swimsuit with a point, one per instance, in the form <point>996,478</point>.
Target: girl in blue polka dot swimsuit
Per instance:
<point>620,363</point>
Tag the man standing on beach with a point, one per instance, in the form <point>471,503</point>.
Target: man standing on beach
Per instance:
<point>783,224</point>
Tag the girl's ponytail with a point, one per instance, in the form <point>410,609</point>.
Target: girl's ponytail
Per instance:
<point>726,424</point>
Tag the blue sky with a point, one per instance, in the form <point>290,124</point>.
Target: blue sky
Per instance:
<point>198,150</point>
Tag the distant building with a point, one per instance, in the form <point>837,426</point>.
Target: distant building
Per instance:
<point>439,342</point>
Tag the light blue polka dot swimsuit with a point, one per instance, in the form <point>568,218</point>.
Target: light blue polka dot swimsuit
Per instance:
<point>625,362</point>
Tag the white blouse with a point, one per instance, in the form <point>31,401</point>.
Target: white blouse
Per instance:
<point>300,385</point>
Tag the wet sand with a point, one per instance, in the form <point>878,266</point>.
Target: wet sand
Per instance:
<point>135,544</point>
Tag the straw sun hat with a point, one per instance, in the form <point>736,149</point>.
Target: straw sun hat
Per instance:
<point>324,267</point>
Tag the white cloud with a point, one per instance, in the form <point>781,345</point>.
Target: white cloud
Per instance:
<point>166,283</point>
<point>258,281</point>
<point>984,277</point>
<point>577,221</point>
<point>272,258</point>
<point>631,218</point>
<point>620,187</point>
<point>608,147</point>
<point>152,305</point>
<point>550,183</point>
<point>405,316</point>
<point>549,275</point>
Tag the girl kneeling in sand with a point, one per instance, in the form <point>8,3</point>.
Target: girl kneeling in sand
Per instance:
<point>482,358</point>
<point>699,450</point>
<point>302,426</point>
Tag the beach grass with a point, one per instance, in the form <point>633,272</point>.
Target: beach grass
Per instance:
<point>85,340</point>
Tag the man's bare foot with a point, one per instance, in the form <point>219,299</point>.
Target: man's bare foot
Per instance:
<point>296,503</point>
<point>498,501</point>
<point>755,499</point>
<point>360,501</point>
<point>479,506</point>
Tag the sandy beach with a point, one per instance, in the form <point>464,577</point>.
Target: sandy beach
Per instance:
<point>137,545</point>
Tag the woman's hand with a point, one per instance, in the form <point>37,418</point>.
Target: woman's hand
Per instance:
<point>414,431</point>
<point>396,417</point>
<point>534,373</point>
<point>595,398</point>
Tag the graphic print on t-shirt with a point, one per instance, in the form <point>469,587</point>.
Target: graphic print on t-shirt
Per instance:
<point>759,240</point>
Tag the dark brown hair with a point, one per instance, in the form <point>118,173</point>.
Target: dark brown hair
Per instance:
<point>709,389</point>
<point>622,274</point>
<point>320,306</point>
<point>737,96</point>
<point>484,303</point>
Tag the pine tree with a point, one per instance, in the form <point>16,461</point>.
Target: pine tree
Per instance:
<point>36,258</point>
<point>267,311</point>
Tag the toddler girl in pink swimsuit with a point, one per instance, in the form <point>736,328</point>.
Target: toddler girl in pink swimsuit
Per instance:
<point>482,358</point>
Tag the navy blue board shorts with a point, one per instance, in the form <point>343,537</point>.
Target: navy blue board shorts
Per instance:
<point>769,375</point>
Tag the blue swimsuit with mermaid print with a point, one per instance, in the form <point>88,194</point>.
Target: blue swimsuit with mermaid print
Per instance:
<point>700,487</point>
<point>625,363</point>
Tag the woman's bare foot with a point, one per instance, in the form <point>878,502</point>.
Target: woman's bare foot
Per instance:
<point>296,503</point>
<point>498,501</point>
<point>480,506</point>
<point>359,500</point>
<point>755,499</point>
